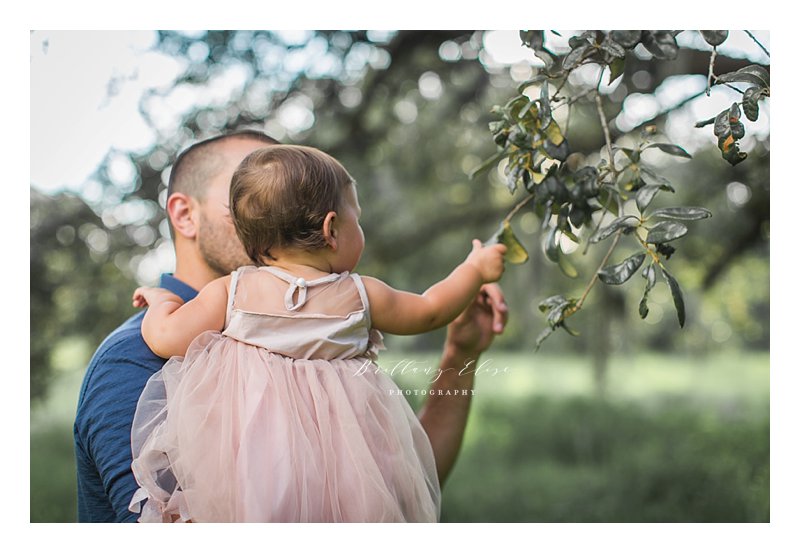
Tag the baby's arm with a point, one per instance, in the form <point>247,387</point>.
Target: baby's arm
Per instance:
<point>398,312</point>
<point>170,325</point>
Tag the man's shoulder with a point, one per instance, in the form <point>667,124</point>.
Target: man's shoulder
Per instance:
<point>126,338</point>
<point>123,359</point>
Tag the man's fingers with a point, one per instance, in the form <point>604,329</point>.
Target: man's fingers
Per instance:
<point>497,302</point>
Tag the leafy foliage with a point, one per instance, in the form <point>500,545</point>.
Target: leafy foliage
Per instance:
<point>351,91</point>
<point>570,196</point>
<point>75,281</point>
<point>634,464</point>
<point>728,127</point>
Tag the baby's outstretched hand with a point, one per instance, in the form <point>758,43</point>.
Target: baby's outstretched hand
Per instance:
<point>488,260</point>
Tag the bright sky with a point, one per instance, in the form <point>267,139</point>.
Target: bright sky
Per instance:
<point>74,121</point>
<point>77,116</point>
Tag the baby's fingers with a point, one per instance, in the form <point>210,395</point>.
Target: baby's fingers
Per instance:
<point>138,298</point>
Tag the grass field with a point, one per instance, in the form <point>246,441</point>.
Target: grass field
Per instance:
<point>676,439</point>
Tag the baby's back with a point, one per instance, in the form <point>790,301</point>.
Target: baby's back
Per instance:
<point>324,318</point>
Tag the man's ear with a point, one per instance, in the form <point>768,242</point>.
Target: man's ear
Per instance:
<point>182,213</point>
<point>329,230</point>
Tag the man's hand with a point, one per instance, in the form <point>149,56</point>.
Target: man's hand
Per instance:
<point>472,332</point>
<point>444,417</point>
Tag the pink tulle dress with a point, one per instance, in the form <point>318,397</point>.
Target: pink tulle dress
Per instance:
<point>283,416</point>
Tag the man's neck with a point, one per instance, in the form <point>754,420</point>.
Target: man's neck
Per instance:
<point>193,272</point>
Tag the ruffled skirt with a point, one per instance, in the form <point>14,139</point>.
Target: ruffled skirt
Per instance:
<point>233,433</point>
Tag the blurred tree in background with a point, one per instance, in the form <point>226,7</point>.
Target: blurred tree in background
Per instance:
<point>407,113</point>
<point>674,423</point>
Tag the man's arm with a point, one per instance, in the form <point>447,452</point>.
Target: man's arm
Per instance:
<point>444,417</point>
<point>103,427</point>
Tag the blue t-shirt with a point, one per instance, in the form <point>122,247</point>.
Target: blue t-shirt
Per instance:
<point>111,387</point>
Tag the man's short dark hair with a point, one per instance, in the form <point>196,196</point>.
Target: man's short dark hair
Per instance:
<point>198,164</point>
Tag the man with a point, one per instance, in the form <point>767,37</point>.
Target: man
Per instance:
<point>206,247</point>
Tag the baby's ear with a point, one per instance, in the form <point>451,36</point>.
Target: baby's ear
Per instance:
<point>329,230</point>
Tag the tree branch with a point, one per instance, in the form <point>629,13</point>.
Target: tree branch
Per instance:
<point>711,70</point>
<point>592,282</point>
<point>758,43</point>
<point>598,100</point>
<point>507,218</point>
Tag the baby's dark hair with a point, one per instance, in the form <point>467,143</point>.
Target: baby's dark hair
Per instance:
<point>280,196</point>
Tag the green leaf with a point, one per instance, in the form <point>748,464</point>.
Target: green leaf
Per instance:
<point>655,178</point>
<point>566,266</point>
<point>551,249</point>
<point>621,272</point>
<point>569,330</point>
<point>556,151</point>
<point>722,126</point>
<point>632,154</point>
<point>671,149</point>
<point>574,58</point>
<point>586,181</point>
<point>734,116</point>
<point>614,226</point>
<point>630,177</point>
<point>754,74</point>
<point>649,274</point>
<point>627,39</point>
<point>750,100</point>
<point>730,150</point>
<point>516,253</point>
<point>613,48</point>
<point>545,113</point>
<point>643,309</point>
<point>557,308</point>
<point>617,68</point>
<point>532,39</point>
<point>609,200</point>
<point>569,234</point>
<point>677,296</point>
<point>714,38</point>
<point>486,164</point>
<point>661,44</point>
<point>682,213</point>
<point>544,335</point>
<point>666,231</point>
<point>546,56</point>
<point>512,174</point>
<point>579,214</point>
<point>554,134</point>
<point>589,37</point>
<point>551,302</point>
<point>758,71</point>
<point>728,128</point>
<point>646,194</point>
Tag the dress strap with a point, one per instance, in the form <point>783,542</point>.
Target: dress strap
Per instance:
<point>231,295</point>
<point>299,285</point>
<point>362,292</point>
